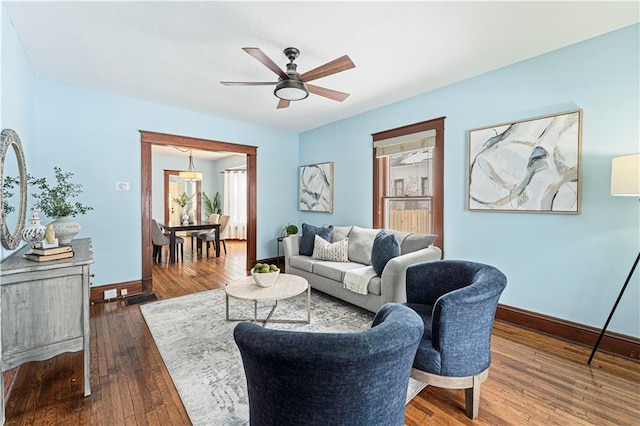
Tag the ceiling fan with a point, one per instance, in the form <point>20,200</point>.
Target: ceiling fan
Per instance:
<point>293,86</point>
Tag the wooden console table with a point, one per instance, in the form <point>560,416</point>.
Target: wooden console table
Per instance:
<point>45,308</point>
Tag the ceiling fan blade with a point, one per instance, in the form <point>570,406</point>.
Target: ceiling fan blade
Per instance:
<point>327,93</point>
<point>283,103</point>
<point>266,61</point>
<point>249,83</point>
<point>343,63</point>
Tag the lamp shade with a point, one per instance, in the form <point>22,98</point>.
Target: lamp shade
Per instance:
<point>625,175</point>
<point>187,175</point>
<point>190,173</point>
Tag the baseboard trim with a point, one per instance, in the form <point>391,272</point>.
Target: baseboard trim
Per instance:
<point>615,343</point>
<point>97,293</point>
<point>9,378</point>
<point>270,260</point>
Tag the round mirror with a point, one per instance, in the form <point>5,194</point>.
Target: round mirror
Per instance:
<point>13,191</point>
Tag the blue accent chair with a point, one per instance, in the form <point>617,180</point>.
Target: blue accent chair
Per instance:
<point>350,379</point>
<point>457,301</point>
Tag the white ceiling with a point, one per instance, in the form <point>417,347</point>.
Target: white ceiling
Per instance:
<point>176,53</point>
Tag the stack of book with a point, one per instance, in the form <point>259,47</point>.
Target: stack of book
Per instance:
<point>63,251</point>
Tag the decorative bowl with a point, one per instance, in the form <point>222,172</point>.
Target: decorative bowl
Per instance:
<point>265,279</point>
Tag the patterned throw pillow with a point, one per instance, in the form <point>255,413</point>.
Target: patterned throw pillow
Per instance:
<point>333,252</point>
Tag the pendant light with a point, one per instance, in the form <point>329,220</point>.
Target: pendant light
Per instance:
<point>191,173</point>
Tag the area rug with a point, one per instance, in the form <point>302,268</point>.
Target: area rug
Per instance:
<point>197,346</point>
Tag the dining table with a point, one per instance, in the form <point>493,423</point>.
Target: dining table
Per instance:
<point>189,227</point>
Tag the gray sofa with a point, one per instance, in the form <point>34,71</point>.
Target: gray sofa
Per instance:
<point>328,276</point>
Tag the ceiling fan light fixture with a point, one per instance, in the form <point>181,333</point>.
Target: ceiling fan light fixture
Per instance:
<point>191,173</point>
<point>291,90</point>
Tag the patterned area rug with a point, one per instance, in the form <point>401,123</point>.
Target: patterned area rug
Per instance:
<point>197,346</point>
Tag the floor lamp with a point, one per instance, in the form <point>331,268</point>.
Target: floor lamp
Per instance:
<point>625,181</point>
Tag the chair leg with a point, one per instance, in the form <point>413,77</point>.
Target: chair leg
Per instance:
<point>182,252</point>
<point>207,248</point>
<point>225,246</point>
<point>472,398</point>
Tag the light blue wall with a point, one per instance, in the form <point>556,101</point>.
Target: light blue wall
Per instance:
<point>566,266</point>
<point>18,97</point>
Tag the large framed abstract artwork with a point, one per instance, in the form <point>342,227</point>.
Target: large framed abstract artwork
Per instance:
<point>316,188</point>
<point>532,165</point>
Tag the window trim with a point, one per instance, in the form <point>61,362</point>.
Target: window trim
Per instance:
<point>380,177</point>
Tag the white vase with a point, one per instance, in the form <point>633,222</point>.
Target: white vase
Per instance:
<point>34,233</point>
<point>65,229</point>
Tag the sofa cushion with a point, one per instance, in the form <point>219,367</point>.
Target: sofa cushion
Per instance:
<point>360,244</point>
<point>334,270</point>
<point>385,247</point>
<point>334,252</point>
<point>400,236</point>
<point>340,233</point>
<point>309,233</point>
<point>304,263</point>
<point>415,242</point>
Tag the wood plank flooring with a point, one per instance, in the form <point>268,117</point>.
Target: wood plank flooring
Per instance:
<point>534,379</point>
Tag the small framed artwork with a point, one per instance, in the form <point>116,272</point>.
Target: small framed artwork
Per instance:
<point>316,188</point>
<point>531,165</point>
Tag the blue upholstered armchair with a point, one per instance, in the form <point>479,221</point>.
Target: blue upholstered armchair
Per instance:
<point>298,378</point>
<point>457,301</point>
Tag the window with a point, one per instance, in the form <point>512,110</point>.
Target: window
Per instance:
<point>408,176</point>
<point>398,185</point>
<point>425,190</point>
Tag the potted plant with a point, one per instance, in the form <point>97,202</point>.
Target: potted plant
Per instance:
<point>210,205</point>
<point>289,229</point>
<point>54,201</point>
<point>182,201</point>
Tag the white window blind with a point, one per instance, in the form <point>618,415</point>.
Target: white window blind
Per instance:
<point>414,141</point>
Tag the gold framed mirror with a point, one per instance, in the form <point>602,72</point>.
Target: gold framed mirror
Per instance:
<point>12,164</point>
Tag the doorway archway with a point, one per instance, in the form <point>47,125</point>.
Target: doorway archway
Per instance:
<point>147,139</point>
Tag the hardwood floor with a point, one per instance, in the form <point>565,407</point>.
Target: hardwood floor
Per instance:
<point>534,379</point>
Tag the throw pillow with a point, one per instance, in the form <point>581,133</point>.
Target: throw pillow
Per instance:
<point>385,247</point>
<point>333,252</point>
<point>360,243</point>
<point>415,242</point>
<point>340,233</point>
<point>309,233</point>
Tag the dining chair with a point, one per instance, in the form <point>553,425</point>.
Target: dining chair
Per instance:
<point>209,237</point>
<point>159,240</point>
<point>213,218</point>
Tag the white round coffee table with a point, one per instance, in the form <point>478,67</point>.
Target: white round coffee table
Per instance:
<point>285,287</point>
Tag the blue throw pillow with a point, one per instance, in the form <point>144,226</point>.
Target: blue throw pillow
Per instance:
<point>385,248</point>
<point>309,233</point>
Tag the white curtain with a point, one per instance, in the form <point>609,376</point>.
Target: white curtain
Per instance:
<point>235,203</point>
